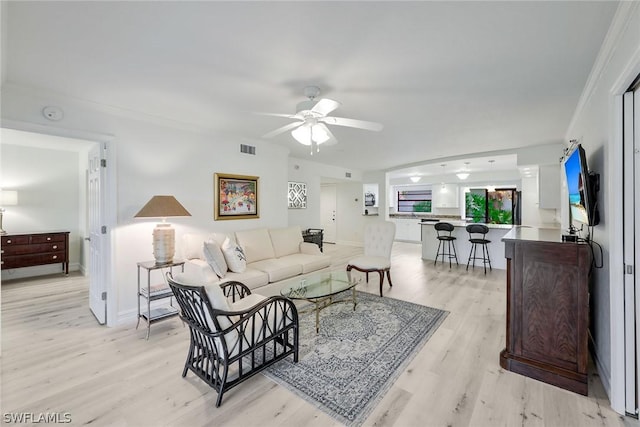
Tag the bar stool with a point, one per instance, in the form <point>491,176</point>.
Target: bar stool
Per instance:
<point>477,233</point>
<point>446,241</point>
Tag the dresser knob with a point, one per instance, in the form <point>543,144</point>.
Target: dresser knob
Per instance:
<point>48,238</point>
<point>8,241</point>
<point>55,246</point>
<point>55,257</point>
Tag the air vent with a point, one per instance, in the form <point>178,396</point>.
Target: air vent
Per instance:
<point>347,174</point>
<point>247,149</point>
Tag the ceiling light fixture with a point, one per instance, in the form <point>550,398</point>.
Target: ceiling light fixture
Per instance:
<point>311,133</point>
<point>463,174</point>
<point>414,179</point>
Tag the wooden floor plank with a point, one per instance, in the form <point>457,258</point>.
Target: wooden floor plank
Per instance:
<point>56,358</point>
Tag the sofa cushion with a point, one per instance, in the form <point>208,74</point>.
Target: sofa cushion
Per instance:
<point>310,248</point>
<point>308,263</point>
<point>251,277</point>
<point>234,256</point>
<point>286,241</point>
<point>256,244</point>
<point>215,258</point>
<point>277,269</point>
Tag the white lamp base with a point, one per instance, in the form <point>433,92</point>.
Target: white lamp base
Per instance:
<point>2,232</point>
<point>164,243</point>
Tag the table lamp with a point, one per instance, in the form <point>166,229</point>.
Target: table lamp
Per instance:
<point>7,198</point>
<point>164,236</point>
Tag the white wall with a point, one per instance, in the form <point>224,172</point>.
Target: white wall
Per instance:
<point>49,185</point>
<point>155,159</point>
<point>594,126</point>
<point>531,214</point>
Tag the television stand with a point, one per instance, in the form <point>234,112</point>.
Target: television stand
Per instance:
<point>547,308</point>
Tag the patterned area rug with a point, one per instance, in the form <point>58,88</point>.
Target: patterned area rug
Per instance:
<point>350,364</point>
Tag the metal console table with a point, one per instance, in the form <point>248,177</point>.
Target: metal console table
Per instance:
<point>156,292</point>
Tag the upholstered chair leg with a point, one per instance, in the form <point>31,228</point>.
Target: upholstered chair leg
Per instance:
<point>381,273</point>
<point>389,277</point>
<point>367,276</point>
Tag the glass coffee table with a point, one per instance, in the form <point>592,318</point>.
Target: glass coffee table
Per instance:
<point>320,289</point>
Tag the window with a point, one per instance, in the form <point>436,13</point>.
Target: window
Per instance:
<point>414,201</point>
<point>494,207</point>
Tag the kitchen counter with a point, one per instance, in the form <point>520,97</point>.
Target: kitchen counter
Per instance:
<point>463,224</point>
<point>553,235</point>
<point>496,248</point>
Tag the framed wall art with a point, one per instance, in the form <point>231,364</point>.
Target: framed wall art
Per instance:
<point>235,196</point>
<point>297,195</point>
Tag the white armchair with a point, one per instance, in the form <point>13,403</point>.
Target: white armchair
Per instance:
<point>378,242</point>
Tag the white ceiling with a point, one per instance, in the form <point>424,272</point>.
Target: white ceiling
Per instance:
<point>444,78</point>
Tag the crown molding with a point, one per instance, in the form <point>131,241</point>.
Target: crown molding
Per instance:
<point>617,30</point>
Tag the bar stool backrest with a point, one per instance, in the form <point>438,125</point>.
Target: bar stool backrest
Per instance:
<point>477,229</point>
<point>443,228</point>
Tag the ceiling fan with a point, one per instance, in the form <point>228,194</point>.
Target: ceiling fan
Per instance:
<point>310,127</point>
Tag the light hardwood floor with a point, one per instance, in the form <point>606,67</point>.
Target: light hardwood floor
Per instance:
<point>56,359</point>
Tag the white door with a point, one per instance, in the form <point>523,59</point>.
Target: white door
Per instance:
<point>631,245</point>
<point>97,285</point>
<point>328,212</point>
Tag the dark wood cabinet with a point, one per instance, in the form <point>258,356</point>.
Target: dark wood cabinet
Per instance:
<point>547,308</point>
<point>31,249</point>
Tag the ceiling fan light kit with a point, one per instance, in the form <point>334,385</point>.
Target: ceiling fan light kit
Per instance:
<point>308,133</point>
<point>312,120</point>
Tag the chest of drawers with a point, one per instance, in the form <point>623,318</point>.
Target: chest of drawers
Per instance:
<point>31,249</point>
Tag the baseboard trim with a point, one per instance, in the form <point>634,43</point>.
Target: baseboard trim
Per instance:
<point>603,372</point>
<point>37,270</point>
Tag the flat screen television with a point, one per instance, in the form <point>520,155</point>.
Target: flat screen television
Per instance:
<point>582,188</point>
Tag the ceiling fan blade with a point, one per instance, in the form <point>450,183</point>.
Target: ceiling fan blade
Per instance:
<point>325,106</point>
<point>332,139</point>
<point>352,123</point>
<point>288,116</point>
<point>282,129</point>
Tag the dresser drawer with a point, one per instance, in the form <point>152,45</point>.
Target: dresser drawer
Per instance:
<point>33,249</point>
<point>15,240</point>
<point>33,259</point>
<point>46,238</point>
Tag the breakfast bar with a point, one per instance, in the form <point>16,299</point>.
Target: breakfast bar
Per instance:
<point>463,246</point>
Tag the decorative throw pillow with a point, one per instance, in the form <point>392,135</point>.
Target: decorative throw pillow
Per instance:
<point>215,258</point>
<point>234,255</point>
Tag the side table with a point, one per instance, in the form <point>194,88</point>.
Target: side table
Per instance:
<point>156,292</point>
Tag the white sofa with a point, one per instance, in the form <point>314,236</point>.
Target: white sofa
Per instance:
<point>271,255</point>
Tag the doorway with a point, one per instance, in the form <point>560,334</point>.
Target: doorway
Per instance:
<point>328,206</point>
<point>73,207</point>
<point>631,245</point>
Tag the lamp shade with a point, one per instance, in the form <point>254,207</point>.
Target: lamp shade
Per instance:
<point>8,198</point>
<point>164,236</point>
<point>162,207</point>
